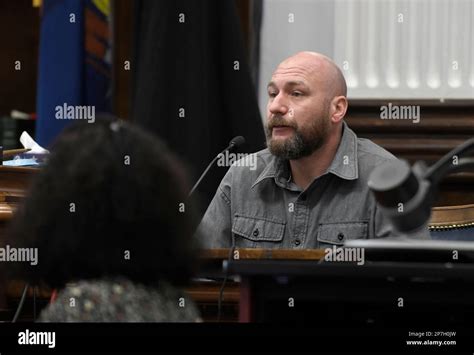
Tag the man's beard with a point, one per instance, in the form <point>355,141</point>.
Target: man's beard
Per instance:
<point>302,143</point>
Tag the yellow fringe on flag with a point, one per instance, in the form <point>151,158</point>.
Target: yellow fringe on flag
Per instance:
<point>103,6</point>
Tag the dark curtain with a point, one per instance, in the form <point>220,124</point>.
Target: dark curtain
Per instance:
<point>191,65</point>
<point>255,29</point>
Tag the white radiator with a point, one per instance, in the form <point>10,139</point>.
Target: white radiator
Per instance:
<point>387,49</point>
<point>406,48</point>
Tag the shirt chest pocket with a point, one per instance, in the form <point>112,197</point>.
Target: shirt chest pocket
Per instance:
<point>257,232</point>
<point>330,234</point>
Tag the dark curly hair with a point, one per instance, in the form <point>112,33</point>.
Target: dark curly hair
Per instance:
<point>107,203</point>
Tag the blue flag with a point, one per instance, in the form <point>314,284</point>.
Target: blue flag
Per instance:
<point>74,64</point>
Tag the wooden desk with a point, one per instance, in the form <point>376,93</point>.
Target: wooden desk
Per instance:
<point>14,182</point>
<point>207,295</point>
<point>204,292</point>
<point>435,294</point>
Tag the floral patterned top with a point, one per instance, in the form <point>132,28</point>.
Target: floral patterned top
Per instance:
<point>120,300</point>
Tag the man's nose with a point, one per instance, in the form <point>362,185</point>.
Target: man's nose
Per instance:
<point>278,105</point>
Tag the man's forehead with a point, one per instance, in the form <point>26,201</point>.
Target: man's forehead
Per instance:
<point>292,76</point>
<point>315,69</point>
<point>298,69</point>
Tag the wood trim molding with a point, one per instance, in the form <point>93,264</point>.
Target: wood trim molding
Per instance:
<point>248,253</point>
<point>452,216</point>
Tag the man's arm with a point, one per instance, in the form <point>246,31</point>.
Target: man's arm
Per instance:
<point>214,230</point>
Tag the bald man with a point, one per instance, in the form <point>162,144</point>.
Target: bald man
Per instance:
<point>309,189</point>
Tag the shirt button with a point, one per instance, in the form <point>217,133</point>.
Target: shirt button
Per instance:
<point>297,242</point>
<point>256,232</point>
<point>340,236</point>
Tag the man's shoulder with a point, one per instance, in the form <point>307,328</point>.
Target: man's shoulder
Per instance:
<point>370,155</point>
<point>372,152</point>
<point>247,169</point>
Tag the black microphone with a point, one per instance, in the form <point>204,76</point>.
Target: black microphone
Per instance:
<point>402,194</point>
<point>234,143</point>
<point>406,194</point>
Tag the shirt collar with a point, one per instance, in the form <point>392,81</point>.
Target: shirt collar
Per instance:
<point>278,169</point>
<point>344,164</point>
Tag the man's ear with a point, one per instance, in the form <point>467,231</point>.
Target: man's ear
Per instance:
<point>338,108</point>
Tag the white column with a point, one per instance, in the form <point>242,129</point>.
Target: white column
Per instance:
<point>392,73</point>
<point>372,55</point>
<point>414,40</point>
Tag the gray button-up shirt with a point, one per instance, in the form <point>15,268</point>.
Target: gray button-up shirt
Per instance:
<point>260,206</point>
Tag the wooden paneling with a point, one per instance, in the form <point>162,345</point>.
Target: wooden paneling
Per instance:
<point>249,253</point>
<point>442,127</point>
<point>19,38</point>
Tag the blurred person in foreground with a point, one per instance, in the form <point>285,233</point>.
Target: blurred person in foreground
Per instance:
<point>104,215</point>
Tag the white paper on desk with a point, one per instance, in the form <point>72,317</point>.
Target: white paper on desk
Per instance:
<point>29,143</point>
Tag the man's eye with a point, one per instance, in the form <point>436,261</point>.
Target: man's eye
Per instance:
<point>297,93</point>
<point>271,94</point>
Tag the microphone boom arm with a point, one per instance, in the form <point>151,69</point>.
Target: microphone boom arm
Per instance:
<point>445,165</point>
<point>235,143</point>
<point>205,171</point>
